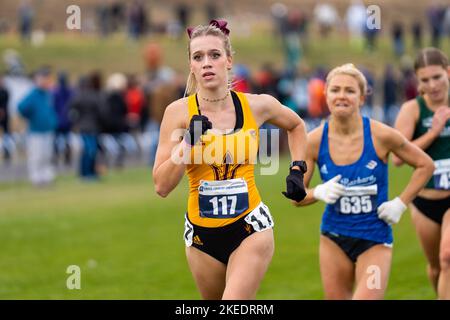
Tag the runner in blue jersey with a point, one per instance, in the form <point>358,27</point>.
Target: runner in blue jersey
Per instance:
<point>351,152</point>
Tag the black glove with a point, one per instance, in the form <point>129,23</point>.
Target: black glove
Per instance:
<point>294,185</point>
<point>198,122</point>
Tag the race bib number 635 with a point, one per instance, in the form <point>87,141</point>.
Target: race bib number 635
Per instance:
<point>357,200</point>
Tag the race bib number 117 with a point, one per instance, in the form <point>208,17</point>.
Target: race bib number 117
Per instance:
<point>223,199</point>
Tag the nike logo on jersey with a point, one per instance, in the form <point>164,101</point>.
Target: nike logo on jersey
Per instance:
<point>324,169</point>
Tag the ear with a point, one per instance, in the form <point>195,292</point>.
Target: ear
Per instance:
<point>362,99</point>
<point>229,63</point>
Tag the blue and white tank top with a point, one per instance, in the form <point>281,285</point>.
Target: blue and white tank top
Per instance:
<point>366,187</point>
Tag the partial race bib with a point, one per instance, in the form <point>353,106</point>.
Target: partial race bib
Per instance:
<point>188,232</point>
<point>441,175</point>
<point>260,218</point>
<point>223,199</point>
<point>357,200</point>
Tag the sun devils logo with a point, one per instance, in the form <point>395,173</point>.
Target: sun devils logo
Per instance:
<point>226,170</point>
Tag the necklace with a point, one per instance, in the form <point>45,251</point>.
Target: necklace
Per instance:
<point>216,100</point>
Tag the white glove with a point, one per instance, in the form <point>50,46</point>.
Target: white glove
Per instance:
<point>329,191</point>
<point>391,211</point>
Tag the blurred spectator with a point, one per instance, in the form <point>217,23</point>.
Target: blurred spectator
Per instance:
<point>182,11</point>
<point>4,120</point>
<point>241,80</point>
<point>18,86</point>
<point>371,34</point>
<point>26,14</point>
<point>177,28</point>
<point>446,23</point>
<point>367,109</point>
<point>303,27</point>
<point>37,108</point>
<point>285,87</point>
<point>436,14</point>
<point>317,107</point>
<point>300,91</point>
<point>160,90</point>
<point>293,48</point>
<point>292,28</point>
<point>135,100</point>
<point>266,81</point>
<point>4,26</point>
<point>398,38</point>
<point>390,89</point>
<point>114,113</point>
<point>61,96</point>
<point>13,62</point>
<point>417,35</point>
<point>104,19</point>
<point>211,11</point>
<point>117,12</point>
<point>356,17</point>
<point>85,116</point>
<point>137,19</point>
<point>409,85</point>
<point>320,72</point>
<point>326,17</point>
<point>279,14</point>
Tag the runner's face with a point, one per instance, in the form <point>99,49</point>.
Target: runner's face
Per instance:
<point>209,62</point>
<point>434,82</point>
<point>343,95</point>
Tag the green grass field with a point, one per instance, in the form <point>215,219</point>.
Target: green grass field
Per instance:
<point>128,242</point>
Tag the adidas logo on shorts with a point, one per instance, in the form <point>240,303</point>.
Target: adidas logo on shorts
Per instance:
<point>197,240</point>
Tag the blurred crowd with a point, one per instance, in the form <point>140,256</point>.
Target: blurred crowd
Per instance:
<point>105,120</point>
<point>101,121</point>
<point>293,24</point>
<point>106,17</point>
<point>117,118</point>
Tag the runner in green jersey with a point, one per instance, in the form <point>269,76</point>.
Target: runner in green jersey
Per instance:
<point>426,121</point>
